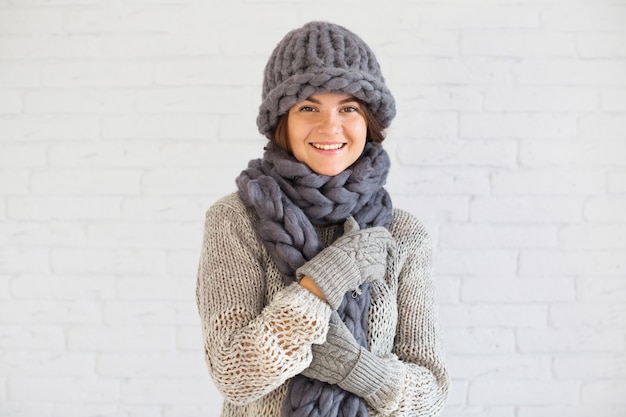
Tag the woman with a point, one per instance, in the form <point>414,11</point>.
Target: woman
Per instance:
<point>315,295</point>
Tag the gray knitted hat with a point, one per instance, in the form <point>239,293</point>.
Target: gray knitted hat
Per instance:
<point>322,57</point>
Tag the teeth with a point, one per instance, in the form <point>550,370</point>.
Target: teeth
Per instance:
<point>328,147</point>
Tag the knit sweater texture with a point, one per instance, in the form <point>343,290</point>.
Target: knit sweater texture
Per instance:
<point>258,331</point>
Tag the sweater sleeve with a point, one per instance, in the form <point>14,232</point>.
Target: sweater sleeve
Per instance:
<point>418,348</point>
<point>252,346</point>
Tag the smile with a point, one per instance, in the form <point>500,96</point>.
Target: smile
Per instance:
<point>328,146</point>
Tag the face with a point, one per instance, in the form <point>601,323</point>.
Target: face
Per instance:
<point>327,132</point>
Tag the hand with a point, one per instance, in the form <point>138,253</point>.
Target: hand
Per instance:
<point>358,256</point>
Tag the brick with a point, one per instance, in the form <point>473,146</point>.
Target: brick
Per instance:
<point>183,262</point>
<point>150,289</point>
<point>542,99</point>
<point>63,389</point>
<point>94,101</point>
<point>440,181</point>
<point>214,408</point>
<point>572,263</point>
<point>472,71</point>
<point>128,339</point>
<point>429,125</point>
<point>120,19</point>
<point>466,153</point>
<point>570,340</point>
<point>500,366</point>
<point>164,209</point>
<point>176,391</point>
<point>94,73</point>
<point>573,411</point>
<point>457,395</point>
<point>513,316</point>
<point>478,340</point>
<point>592,236</point>
<point>584,17</point>
<point>531,209</point>
<point>581,154</point>
<point>150,313</point>
<point>481,16</point>
<point>50,312</point>
<point>41,363</point>
<point>500,290</point>
<point>477,411</point>
<point>561,72</point>
<point>24,47</point>
<point>601,45</point>
<point>608,126</point>
<point>162,126</point>
<point>154,365</point>
<point>156,45</point>
<point>75,208</point>
<point>189,181</point>
<point>606,209</point>
<point>144,235</point>
<point>594,289</point>
<point>189,154</point>
<point>112,409</point>
<point>19,75</point>
<point>476,262</point>
<point>32,338</point>
<point>434,208</point>
<point>13,181</point>
<point>448,289</point>
<point>189,338</point>
<point>412,98</point>
<point>19,408</point>
<point>49,127</point>
<point>549,182</point>
<point>614,99</point>
<point>518,126</point>
<point>10,103</point>
<point>590,366</point>
<point>513,44</point>
<point>31,21</point>
<point>24,260</point>
<point>604,393</point>
<point>63,288</point>
<point>217,70</point>
<point>526,392</point>
<point>23,155</point>
<point>431,44</point>
<point>106,261</point>
<point>596,315</point>
<point>198,99</point>
<point>616,182</point>
<point>493,236</point>
<point>92,182</point>
<point>112,154</point>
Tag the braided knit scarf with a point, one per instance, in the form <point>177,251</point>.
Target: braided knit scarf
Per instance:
<point>290,200</point>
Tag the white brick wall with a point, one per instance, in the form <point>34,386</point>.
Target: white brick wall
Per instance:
<point>121,121</point>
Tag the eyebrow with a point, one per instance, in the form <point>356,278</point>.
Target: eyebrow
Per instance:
<point>345,100</point>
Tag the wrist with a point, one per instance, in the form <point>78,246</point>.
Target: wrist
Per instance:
<point>309,284</point>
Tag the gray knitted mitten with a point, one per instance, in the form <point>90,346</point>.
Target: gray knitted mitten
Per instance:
<point>342,361</point>
<point>358,256</point>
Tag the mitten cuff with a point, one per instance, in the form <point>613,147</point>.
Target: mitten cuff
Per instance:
<point>333,271</point>
<point>376,380</point>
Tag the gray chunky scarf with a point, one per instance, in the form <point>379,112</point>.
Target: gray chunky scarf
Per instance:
<point>290,200</point>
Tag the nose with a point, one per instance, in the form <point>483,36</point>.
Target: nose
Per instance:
<point>330,124</point>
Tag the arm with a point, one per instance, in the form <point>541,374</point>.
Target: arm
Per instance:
<point>418,344</point>
<point>251,348</point>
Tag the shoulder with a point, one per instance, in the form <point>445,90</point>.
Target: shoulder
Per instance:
<point>229,215</point>
<point>408,230</point>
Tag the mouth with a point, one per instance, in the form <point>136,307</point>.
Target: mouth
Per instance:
<point>328,146</point>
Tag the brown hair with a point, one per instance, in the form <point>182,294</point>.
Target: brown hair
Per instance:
<point>375,130</point>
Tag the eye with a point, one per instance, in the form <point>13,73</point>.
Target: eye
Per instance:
<point>306,108</point>
<point>350,109</point>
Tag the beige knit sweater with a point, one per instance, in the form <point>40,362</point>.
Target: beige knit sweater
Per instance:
<point>258,332</point>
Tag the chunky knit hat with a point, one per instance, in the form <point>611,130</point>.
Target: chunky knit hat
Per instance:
<point>322,57</point>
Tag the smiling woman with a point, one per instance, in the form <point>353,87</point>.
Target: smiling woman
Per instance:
<point>315,293</point>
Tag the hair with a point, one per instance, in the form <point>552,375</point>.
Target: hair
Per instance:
<point>375,129</point>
